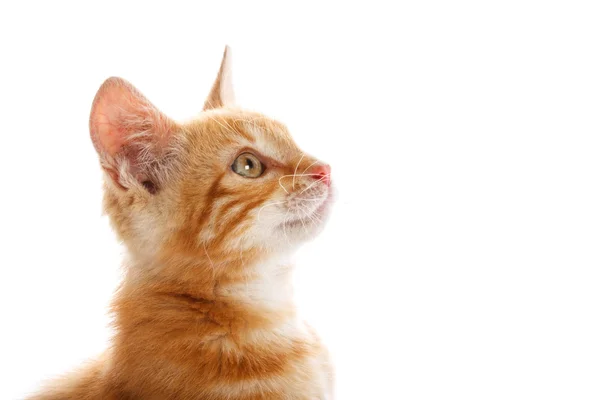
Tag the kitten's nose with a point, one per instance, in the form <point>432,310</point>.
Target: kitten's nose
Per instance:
<point>322,172</point>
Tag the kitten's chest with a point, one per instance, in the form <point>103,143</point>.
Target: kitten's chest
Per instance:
<point>286,363</point>
<point>283,363</point>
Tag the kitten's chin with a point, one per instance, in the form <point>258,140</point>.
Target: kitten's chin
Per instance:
<point>309,224</point>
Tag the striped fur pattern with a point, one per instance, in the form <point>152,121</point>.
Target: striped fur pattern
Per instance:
<point>205,310</point>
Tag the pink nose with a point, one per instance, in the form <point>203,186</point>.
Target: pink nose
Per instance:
<point>322,172</point>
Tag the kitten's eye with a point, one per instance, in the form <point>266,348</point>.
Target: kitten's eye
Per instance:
<point>248,166</point>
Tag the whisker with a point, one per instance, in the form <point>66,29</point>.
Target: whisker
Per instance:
<point>302,219</point>
<point>284,189</point>
<point>314,199</point>
<point>285,220</point>
<point>296,170</point>
<point>317,218</point>
<point>315,221</point>
<point>313,218</point>
<point>306,169</point>
<point>285,176</point>
<point>227,128</point>
<point>309,214</point>
<point>317,181</point>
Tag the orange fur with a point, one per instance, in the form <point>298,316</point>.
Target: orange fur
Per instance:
<point>205,310</point>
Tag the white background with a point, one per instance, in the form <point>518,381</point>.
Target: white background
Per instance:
<point>462,259</point>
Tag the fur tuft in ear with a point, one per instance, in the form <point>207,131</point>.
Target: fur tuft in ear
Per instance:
<point>221,94</point>
<point>129,133</point>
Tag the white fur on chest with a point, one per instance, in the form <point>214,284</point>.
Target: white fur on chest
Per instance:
<point>269,285</point>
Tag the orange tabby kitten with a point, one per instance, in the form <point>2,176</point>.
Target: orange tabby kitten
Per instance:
<point>210,212</point>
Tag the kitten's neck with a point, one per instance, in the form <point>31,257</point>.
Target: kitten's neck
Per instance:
<point>268,284</point>
<point>250,285</point>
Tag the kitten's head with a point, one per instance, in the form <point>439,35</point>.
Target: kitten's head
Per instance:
<point>226,183</point>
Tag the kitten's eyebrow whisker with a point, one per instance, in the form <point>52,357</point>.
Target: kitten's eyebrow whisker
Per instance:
<point>227,128</point>
<point>296,170</point>
<point>231,128</point>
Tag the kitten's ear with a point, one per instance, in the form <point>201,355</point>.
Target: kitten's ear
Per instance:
<point>129,133</point>
<point>221,94</point>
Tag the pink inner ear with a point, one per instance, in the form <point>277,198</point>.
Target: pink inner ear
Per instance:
<point>107,136</point>
<point>104,126</point>
<point>119,110</point>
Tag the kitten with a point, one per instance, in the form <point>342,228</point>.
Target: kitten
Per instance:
<point>210,212</point>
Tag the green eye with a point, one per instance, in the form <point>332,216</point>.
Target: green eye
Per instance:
<point>248,166</point>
